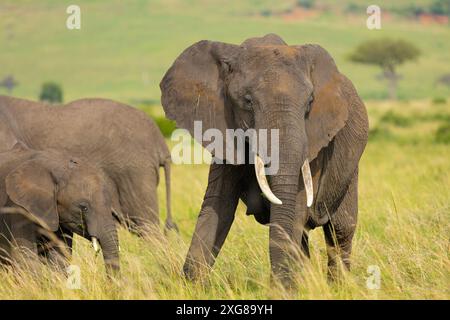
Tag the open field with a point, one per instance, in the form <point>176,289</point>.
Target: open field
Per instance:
<point>122,52</point>
<point>123,49</point>
<point>403,229</point>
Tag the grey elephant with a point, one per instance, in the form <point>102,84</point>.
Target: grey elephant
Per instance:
<point>46,197</point>
<point>123,141</point>
<point>323,127</point>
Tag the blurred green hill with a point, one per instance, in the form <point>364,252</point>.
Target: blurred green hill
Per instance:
<point>124,47</point>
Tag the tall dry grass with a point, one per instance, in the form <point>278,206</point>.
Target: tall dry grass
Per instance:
<point>403,229</point>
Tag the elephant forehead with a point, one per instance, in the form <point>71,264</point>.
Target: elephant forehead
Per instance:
<point>85,183</point>
<point>262,55</point>
<point>275,83</point>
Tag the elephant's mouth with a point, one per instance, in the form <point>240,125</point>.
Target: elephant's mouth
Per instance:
<point>265,188</point>
<point>262,218</point>
<point>82,230</point>
<point>75,227</point>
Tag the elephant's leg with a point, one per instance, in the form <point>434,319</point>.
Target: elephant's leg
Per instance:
<point>57,251</point>
<point>215,218</point>
<point>5,240</point>
<point>23,235</point>
<point>139,200</point>
<point>305,244</point>
<point>340,229</point>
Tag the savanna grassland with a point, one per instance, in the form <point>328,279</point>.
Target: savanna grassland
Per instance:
<point>121,53</point>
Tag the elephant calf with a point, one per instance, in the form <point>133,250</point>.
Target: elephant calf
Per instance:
<point>46,195</point>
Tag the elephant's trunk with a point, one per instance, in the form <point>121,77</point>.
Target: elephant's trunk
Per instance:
<point>104,235</point>
<point>109,242</point>
<point>284,185</point>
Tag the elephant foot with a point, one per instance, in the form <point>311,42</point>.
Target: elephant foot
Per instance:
<point>113,272</point>
<point>196,272</point>
<point>336,273</point>
<point>284,283</point>
<point>170,225</point>
<point>190,272</point>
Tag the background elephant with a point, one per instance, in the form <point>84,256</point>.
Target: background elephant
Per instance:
<point>323,128</point>
<point>123,141</point>
<point>46,192</point>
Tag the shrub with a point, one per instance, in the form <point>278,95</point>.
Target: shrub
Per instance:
<point>413,10</point>
<point>165,125</point>
<point>443,117</point>
<point>354,8</point>
<point>439,100</point>
<point>443,134</point>
<point>396,119</point>
<point>308,4</point>
<point>51,92</point>
<point>266,13</point>
<point>444,79</point>
<point>379,133</point>
<point>441,7</point>
<point>9,83</point>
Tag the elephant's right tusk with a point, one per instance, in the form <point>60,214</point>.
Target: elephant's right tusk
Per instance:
<point>262,181</point>
<point>95,244</point>
<point>307,180</point>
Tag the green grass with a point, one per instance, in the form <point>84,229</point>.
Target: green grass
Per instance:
<point>443,134</point>
<point>403,228</point>
<point>123,50</point>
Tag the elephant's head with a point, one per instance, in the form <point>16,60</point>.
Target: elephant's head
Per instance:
<point>263,84</point>
<point>61,191</point>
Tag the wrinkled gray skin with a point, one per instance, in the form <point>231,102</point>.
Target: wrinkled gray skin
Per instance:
<point>123,141</point>
<point>61,195</point>
<point>266,84</point>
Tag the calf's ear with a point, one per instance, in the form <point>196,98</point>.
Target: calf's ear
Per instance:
<point>33,187</point>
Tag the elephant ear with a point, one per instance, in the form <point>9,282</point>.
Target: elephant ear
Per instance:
<point>7,160</point>
<point>192,89</point>
<point>329,109</point>
<point>32,187</point>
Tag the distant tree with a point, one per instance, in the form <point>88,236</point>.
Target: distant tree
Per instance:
<point>441,7</point>
<point>51,92</point>
<point>444,79</point>
<point>308,4</point>
<point>355,8</point>
<point>9,83</point>
<point>388,54</point>
<point>266,13</point>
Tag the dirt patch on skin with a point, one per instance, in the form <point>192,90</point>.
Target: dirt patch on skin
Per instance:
<point>299,14</point>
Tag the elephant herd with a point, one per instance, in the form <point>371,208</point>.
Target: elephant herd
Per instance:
<point>91,164</point>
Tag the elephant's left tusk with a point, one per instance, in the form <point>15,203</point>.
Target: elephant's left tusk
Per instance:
<point>307,180</point>
<point>262,181</point>
<point>95,244</point>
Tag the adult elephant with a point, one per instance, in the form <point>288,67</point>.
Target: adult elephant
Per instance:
<point>122,141</point>
<point>266,84</point>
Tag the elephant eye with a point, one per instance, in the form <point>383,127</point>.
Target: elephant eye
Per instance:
<point>83,207</point>
<point>248,102</point>
<point>310,101</point>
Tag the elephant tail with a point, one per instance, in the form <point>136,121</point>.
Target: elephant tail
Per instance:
<point>169,221</point>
